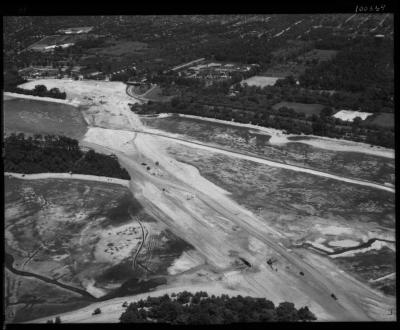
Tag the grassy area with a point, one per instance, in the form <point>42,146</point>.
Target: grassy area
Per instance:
<point>39,117</point>
<point>385,120</point>
<point>121,48</point>
<point>307,109</point>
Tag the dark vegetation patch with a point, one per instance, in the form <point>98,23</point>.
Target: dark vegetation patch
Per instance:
<point>199,308</point>
<point>56,154</point>
<point>117,273</point>
<point>307,109</point>
<point>371,265</point>
<point>300,138</point>
<point>120,214</point>
<point>176,244</point>
<point>120,48</point>
<point>39,90</point>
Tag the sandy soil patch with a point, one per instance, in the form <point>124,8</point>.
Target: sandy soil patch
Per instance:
<point>320,246</point>
<point>377,245</point>
<point>106,102</point>
<point>350,115</point>
<point>9,95</point>
<point>85,177</point>
<point>344,243</point>
<point>188,260</point>
<point>261,81</point>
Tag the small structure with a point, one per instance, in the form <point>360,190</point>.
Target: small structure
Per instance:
<point>76,30</point>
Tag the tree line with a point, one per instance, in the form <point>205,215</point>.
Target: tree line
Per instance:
<point>40,90</point>
<point>51,153</point>
<point>284,118</point>
<point>200,308</point>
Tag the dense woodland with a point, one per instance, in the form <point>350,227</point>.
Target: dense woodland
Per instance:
<point>365,66</point>
<point>57,154</point>
<point>199,308</point>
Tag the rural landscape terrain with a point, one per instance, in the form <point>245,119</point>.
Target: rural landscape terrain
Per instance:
<point>151,175</point>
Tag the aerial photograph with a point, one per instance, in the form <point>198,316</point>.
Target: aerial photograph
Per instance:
<point>199,169</point>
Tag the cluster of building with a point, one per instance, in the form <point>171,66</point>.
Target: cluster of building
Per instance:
<point>64,39</point>
<point>36,72</point>
<point>213,72</point>
<point>76,30</point>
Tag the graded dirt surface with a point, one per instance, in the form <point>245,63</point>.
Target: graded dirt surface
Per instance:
<point>222,231</point>
<point>297,151</point>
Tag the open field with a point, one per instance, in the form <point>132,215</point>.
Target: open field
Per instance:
<point>385,120</point>
<point>254,142</point>
<point>307,109</point>
<point>91,237</point>
<point>40,117</point>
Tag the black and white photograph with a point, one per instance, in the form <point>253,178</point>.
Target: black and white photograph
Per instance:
<point>199,168</point>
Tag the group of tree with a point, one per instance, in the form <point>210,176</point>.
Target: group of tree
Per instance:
<point>364,66</point>
<point>250,111</point>
<point>40,90</point>
<point>56,154</point>
<point>200,308</point>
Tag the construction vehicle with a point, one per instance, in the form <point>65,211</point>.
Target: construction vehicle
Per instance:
<point>271,261</point>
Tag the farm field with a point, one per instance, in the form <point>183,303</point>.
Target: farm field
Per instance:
<point>85,241</point>
<point>307,109</point>
<point>307,211</point>
<point>39,117</point>
<point>253,142</point>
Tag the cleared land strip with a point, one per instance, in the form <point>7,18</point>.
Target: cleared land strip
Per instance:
<point>9,95</point>
<point>273,163</point>
<point>84,177</point>
<point>383,277</point>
